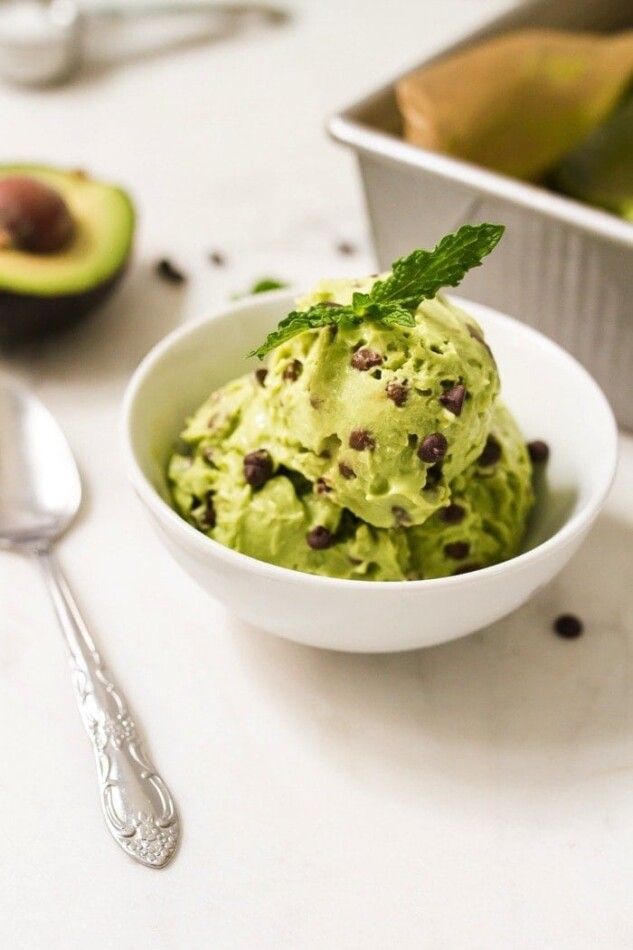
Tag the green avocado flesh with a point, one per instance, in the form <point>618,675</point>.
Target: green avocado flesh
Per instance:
<point>396,517</point>
<point>104,228</point>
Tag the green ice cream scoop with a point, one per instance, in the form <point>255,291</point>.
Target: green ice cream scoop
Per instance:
<point>373,446</point>
<point>217,490</point>
<point>269,511</point>
<point>386,416</point>
<point>490,503</point>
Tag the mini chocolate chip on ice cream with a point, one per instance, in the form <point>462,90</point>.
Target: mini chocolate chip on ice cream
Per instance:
<point>453,399</point>
<point>293,370</point>
<point>320,538</point>
<point>258,468</point>
<point>373,444</point>
<point>397,392</point>
<point>361,439</point>
<point>433,447</point>
<point>452,514</point>
<point>365,359</point>
<point>346,470</point>
<point>491,453</point>
<point>457,550</point>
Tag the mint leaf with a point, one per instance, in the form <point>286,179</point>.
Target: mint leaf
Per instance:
<point>421,274</point>
<point>393,313</point>
<point>325,315</point>
<point>386,313</point>
<point>265,284</point>
<point>414,278</point>
<point>320,315</point>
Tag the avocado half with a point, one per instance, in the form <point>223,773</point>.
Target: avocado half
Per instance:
<point>40,293</point>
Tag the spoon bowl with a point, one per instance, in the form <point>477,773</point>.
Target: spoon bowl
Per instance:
<point>41,488</point>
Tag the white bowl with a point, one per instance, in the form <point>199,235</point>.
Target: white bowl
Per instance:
<point>552,397</point>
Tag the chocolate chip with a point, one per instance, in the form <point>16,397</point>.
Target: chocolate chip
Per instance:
<point>260,376</point>
<point>168,271</point>
<point>401,516</point>
<point>293,370</point>
<point>539,451</point>
<point>453,399</point>
<point>344,247</point>
<point>568,626</point>
<point>320,538</point>
<point>433,476</point>
<point>360,439</point>
<point>365,359</point>
<point>322,487</point>
<point>397,392</point>
<point>218,259</point>
<point>433,447</point>
<point>466,569</point>
<point>491,453</point>
<point>457,550</point>
<point>452,514</point>
<point>209,518</point>
<point>346,471</point>
<point>258,467</point>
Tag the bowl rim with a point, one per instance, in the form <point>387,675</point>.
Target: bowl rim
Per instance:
<point>577,524</point>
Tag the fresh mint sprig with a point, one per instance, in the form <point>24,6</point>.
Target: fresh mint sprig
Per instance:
<point>414,278</point>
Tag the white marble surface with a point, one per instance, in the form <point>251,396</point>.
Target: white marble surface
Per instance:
<point>475,795</point>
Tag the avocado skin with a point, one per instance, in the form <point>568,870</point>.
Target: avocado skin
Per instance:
<point>25,317</point>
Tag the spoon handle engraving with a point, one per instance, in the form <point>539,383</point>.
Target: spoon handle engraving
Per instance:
<point>137,805</point>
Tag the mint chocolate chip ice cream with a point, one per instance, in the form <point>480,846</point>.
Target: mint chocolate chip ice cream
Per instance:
<point>386,416</point>
<point>372,446</point>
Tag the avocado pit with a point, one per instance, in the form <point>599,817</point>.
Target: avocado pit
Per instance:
<point>33,216</point>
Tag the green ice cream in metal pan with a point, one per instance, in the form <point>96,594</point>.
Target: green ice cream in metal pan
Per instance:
<point>373,446</point>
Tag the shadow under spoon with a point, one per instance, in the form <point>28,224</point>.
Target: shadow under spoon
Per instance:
<point>40,494</point>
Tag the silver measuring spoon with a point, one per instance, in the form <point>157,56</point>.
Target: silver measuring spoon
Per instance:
<point>40,494</point>
<point>41,41</point>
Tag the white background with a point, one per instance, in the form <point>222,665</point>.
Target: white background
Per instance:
<point>475,795</point>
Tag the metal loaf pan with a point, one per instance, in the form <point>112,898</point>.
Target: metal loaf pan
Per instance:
<point>563,267</point>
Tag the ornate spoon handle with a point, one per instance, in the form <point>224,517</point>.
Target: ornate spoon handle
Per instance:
<point>138,808</point>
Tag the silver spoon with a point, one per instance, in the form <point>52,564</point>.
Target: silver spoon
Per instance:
<point>41,41</point>
<point>40,494</point>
